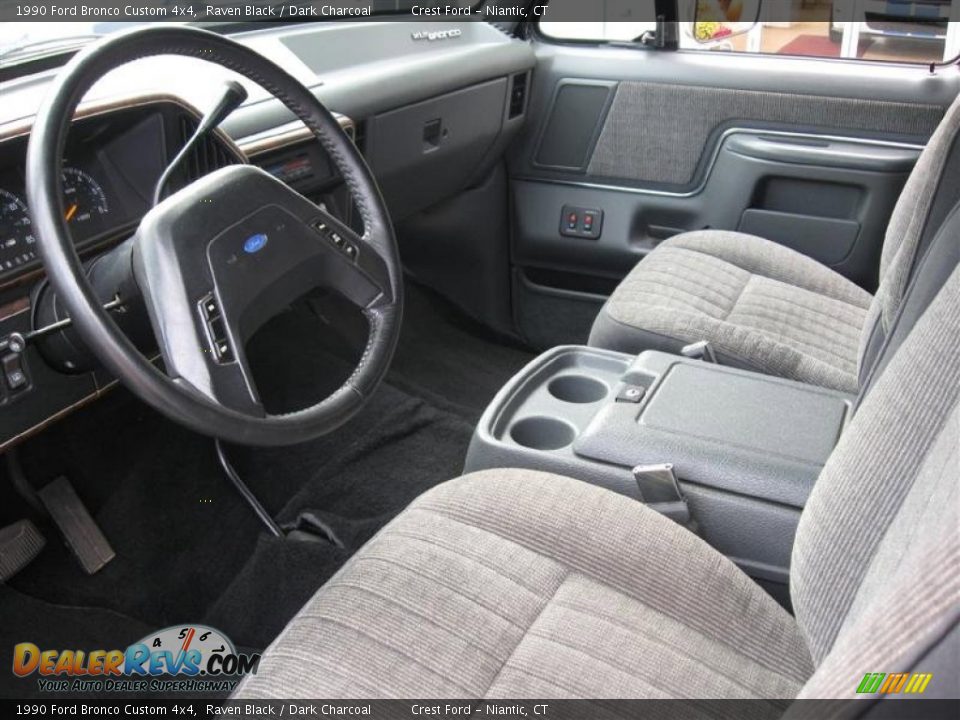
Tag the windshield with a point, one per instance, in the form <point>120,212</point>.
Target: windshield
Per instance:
<point>21,35</point>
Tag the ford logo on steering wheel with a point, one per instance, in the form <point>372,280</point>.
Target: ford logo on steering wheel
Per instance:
<point>254,243</point>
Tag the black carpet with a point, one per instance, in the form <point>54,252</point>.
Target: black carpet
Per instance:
<point>188,549</point>
<point>449,359</point>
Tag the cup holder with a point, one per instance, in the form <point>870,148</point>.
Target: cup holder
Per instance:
<point>577,389</point>
<point>543,433</point>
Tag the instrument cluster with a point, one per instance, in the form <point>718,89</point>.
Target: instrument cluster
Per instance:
<point>86,212</point>
<point>111,163</point>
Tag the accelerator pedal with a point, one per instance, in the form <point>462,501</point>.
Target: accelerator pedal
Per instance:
<point>20,543</point>
<point>79,529</point>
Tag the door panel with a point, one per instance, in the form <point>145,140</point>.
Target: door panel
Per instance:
<point>809,153</point>
<point>660,134</point>
<point>574,121</point>
<point>834,213</point>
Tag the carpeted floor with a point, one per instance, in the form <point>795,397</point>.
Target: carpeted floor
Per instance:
<point>188,549</point>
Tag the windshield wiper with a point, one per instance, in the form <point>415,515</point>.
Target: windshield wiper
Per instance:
<point>48,46</point>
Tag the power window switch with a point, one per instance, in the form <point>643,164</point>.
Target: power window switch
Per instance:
<point>581,222</point>
<point>591,222</point>
<point>569,220</point>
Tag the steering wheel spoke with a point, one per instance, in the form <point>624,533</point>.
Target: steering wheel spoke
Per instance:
<point>220,370</point>
<point>364,278</point>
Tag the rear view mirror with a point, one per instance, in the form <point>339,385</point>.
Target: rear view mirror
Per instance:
<point>718,20</point>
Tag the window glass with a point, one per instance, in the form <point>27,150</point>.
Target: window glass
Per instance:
<point>599,20</point>
<point>891,31</point>
<point>903,31</point>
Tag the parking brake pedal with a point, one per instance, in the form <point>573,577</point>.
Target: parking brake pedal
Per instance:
<point>20,543</point>
<point>79,529</point>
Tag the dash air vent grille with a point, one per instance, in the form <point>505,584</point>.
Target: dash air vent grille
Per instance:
<point>360,136</point>
<point>207,156</point>
<point>518,95</point>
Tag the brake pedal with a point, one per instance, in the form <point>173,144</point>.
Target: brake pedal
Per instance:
<point>79,529</point>
<point>20,543</point>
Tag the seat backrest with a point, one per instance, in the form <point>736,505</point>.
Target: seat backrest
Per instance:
<point>933,268</point>
<point>928,196</point>
<point>875,576</point>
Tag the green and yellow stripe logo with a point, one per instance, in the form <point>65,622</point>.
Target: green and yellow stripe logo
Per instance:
<point>892,683</point>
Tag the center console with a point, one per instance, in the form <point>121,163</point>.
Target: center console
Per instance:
<point>745,448</point>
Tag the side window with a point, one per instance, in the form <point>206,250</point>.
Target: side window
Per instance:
<point>900,31</point>
<point>599,20</point>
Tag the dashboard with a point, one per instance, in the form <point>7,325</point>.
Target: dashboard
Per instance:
<point>432,118</point>
<point>111,163</point>
<point>115,153</point>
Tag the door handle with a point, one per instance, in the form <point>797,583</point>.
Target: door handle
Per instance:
<point>827,153</point>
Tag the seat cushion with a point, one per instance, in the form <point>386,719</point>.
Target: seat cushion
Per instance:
<point>515,583</point>
<point>761,305</point>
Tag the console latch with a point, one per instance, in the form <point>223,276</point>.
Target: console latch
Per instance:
<point>660,489</point>
<point>702,350</point>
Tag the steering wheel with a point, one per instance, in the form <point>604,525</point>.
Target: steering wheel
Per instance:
<point>208,279</point>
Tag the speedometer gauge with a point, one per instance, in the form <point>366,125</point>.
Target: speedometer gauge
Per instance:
<point>84,202</point>
<point>16,232</point>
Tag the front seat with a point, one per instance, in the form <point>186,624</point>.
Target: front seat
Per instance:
<point>515,583</point>
<point>767,308</point>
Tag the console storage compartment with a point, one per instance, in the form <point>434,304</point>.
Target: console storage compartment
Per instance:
<point>747,448</point>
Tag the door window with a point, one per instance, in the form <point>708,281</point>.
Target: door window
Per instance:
<point>900,31</point>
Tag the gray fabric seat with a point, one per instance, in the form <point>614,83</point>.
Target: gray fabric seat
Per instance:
<point>512,583</point>
<point>499,585</point>
<point>770,309</point>
<point>763,306</point>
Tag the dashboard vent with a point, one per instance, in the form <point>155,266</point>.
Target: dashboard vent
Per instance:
<point>360,136</point>
<point>518,95</point>
<point>206,157</point>
<point>507,28</point>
